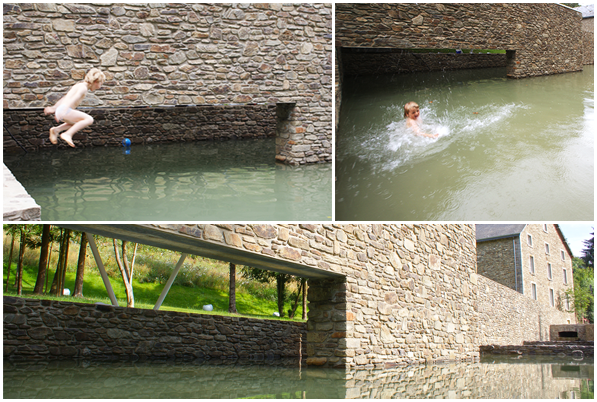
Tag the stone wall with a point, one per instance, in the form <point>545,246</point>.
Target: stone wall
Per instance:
<point>144,126</point>
<point>545,38</point>
<point>499,260</point>
<point>588,47</point>
<point>397,61</point>
<point>408,293</point>
<point>157,54</point>
<point>43,329</point>
<point>506,317</point>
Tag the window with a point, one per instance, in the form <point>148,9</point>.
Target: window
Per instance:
<point>530,240</point>
<point>545,228</point>
<point>532,264</point>
<point>533,291</point>
<point>563,255</point>
<point>565,277</point>
<point>546,248</point>
<point>568,305</point>
<point>549,273</point>
<point>552,302</point>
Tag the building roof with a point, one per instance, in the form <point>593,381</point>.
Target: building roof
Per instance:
<point>587,10</point>
<point>486,232</point>
<point>498,231</point>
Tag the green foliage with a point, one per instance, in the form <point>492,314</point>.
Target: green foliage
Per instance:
<point>583,293</point>
<point>588,252</point>
<point>200,281</point>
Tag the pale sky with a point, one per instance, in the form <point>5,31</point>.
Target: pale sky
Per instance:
<point>575,233</point>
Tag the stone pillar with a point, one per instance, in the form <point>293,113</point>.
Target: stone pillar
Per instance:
<point>511,63</point>
<point>328,323</point>
<point>286,133</point>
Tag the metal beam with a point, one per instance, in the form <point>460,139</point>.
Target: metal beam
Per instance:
<point>100,266</point>
<point>170,281</point>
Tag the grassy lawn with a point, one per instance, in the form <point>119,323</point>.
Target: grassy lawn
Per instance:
<point>180,298</point>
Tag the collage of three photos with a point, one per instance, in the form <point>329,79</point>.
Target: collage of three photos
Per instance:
<point>368,186</point>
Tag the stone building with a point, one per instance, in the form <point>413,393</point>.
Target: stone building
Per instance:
<point>273,57</point>
<point>588,32</point>
<point>534,260</point>
<point>379,295</point>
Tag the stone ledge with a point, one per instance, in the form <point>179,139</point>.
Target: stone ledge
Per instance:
<point>18,204</point>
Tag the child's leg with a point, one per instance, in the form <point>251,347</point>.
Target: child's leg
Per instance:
<point>54,131</point>
<point>79,121</point>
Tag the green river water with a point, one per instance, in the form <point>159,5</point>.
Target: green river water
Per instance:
<point>507,149</point>
<point>212,181</point>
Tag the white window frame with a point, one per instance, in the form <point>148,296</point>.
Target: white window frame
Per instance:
<point>533,291</point>
<point>565,272</point>
<point>532,264</point>
<point>549,271</point>
<point>530,240</point>
<point>552,298</point>
<point>545,227</point>
<point>563,255</point>
<point>547,248</point>
<point>567,303</point>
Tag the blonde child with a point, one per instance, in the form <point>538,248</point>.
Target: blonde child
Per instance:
<point>65,110</point>
<point>411,112</point>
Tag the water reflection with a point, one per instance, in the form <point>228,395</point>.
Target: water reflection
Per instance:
<point>507,149</point>
<point>500,378</point>
<point>232,180</point>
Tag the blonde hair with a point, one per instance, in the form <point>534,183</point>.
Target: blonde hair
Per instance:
<point>94,75</point>
<point>408,107</point>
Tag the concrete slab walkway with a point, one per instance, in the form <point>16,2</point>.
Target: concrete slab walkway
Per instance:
<point>18,204</point>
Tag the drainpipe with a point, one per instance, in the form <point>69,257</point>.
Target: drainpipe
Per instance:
<point>521,265</point>
<point>515,267</point>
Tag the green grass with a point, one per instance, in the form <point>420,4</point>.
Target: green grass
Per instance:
<point>189,298</point>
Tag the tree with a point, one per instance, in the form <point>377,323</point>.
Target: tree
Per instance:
<point>268,276</point>
<point>582,294</point>
<point>126,270</point>
<point>587,252</point>
<point>19,274</point>
<point>301,289</point>
<point>57,287</point>
<point>12,230</point>
<point>78,292</point>
<point>43,261</point>
<point>232,290</point>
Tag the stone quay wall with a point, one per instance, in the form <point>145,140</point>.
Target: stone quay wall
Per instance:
<point>43,329</point>
<point>545,38</point>
<point>157,54</point>
<point>588,47</point>
<point>397,61</point>
<point>144,126</point>
<point>507,317</point>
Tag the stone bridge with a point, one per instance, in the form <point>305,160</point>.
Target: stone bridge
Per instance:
<point>161,55</point>
<point>539,39</point>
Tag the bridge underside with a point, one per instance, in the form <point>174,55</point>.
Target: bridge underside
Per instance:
<point>153,235</point>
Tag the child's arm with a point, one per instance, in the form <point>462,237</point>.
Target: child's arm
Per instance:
<point>415,127</point>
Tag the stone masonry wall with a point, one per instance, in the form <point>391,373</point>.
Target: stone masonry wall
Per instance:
<point>507,317</point>
<point>496,261</point>
<point>540,277</point>
<point>144,126</point>
<point>588,47</point>
<point>43,329</point>
<point>157,54</point>
<point>408,293</point>
<point>546,38</point>
<point>398,61</point>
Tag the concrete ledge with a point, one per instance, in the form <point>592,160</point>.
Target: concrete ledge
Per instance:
<point>18,204</point>
<point>577,349</point>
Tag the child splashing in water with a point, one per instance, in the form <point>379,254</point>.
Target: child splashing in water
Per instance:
<point>65,109</point>
<point>411,112</point>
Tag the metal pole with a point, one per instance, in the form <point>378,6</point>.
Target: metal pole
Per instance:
<point>100,266</point>
<point>170,281</point>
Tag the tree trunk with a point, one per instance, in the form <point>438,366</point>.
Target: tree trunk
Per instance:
<point>232,290</point>
<point>304,299</point>
<point>12,244</point>
<point>19,275</point>
<point>48,268</point>
<point>281,284</point>
<point>124,271</point>
<point>292,310</point>
<point>56,288</point>
<point>78,291</point>
<point>43,261</point>
<point>64,261</point>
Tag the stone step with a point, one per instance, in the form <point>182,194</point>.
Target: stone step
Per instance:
<point>552,348</point>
